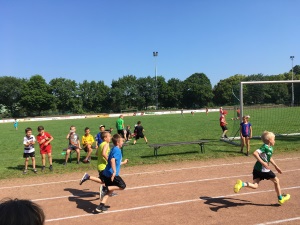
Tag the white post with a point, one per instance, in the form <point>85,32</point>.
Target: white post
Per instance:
<point>293,99</point>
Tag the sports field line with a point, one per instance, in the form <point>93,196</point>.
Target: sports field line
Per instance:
<point>280,221</point>
<point>154,185</point>
<point>149,172</point>
<point>166,204</point>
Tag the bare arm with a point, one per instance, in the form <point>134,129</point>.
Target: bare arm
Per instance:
<point>124,162</point>
<point>275,165</point>
<point>113,167</point>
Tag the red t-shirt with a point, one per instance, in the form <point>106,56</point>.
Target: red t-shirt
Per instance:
<point>222,120</point>
<point>43,137</point>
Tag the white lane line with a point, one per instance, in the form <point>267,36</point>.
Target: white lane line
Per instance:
<point>150,172</point>
<point>155,185</point>
<point>166,204</point>
<point>280,221</point>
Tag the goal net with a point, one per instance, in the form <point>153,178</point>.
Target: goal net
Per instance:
<point>271,105</point>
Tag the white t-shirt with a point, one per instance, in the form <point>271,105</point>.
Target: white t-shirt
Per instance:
<point>29,148</point>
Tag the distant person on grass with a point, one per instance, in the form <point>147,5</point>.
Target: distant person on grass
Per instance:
<point>223,123</point>
<point>110,175</point>
<point>74,144</point>
<point>20,212</point>
<point>44,139</point>
<point>102,153</point>
<point>261,170</point>
<point>246,133</point>
<point>16,123</point>
<point>139,129</point>
<point>120,126</point>
<point>87,141</point>
<point>29,151</point>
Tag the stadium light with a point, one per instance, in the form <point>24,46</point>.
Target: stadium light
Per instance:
<point>155,54</point>
<point>293,99</point>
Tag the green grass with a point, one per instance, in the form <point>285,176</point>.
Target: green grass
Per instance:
<point>159,129</point>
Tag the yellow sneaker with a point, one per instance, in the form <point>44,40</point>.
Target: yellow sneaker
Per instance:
<point>238,186</point>
<point>284,199</point>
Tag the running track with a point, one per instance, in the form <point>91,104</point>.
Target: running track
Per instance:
<point>179,193</point>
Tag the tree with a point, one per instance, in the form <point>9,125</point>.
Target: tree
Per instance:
<point>36,96</point>
<point>226,92</point>
<point>197,91</point>
<point>147,92</point>
<point>65,94</point>
<point>172,94</point>
<point>10,93</point>
<point>124,93</point>
<point>94,96</point>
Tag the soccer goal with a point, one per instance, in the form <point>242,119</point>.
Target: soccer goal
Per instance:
<point>271,105</point>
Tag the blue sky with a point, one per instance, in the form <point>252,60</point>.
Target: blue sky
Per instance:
<point>107,39</point>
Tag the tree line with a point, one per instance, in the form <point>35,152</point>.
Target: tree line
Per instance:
<point>35,97</point>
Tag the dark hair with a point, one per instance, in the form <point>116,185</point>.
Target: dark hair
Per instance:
<point>139,122</point>
<point>116,138</point>
<point>85,129</point>
<point>20,212</point>
<point>27,129</point>
<point>40,128</point>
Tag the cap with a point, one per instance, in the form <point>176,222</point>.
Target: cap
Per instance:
<point>101,126</point>
<point>248,116</point>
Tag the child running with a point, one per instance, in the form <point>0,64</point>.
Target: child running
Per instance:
<point>246,133</point>
<point>44,139</point>
<point>29,151</point>
<point>102,153</point>
<point>110,175</point>
<point>262,170</point>
<point>139,130</point>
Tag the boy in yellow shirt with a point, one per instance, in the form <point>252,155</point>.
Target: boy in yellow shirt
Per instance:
<point>87,141</point>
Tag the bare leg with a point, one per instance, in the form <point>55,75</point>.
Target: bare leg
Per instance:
<point>277,185</point>
<point>50,158</point>
<point>33,162</point>
<point>43,159</point>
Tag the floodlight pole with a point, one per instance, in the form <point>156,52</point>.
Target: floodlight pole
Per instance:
<point>155,54</point>
<point>293,99</point>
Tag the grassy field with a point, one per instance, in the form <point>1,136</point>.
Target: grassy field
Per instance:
<point>159,129</point>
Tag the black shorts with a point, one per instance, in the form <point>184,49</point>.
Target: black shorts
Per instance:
<point>118,181</point>
<point>139,136</point>
<point>27,155</point>
<point>263,175</point>
<point>224,128</point>
<point>73,147</point>
<point>121,132</point>
<point>245,135</point>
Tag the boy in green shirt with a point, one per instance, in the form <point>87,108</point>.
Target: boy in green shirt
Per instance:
<point>262,170</point>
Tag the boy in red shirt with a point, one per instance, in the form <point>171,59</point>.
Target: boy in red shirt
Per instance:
<point>223,123</point>
<point>44,140</point>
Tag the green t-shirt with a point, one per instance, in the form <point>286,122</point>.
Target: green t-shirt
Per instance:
<point>101,160</point>
<point>119,124</point>
<point>265,153</point>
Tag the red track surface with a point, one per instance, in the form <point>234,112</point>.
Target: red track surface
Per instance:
<point>178,193</point>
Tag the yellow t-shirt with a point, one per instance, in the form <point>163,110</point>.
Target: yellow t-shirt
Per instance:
<point>101,160</point>
<point>87,139</point>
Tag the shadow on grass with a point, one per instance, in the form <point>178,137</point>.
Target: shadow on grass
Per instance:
<point>225,203</point>
<point>83,199</point>
<point>168,154</point>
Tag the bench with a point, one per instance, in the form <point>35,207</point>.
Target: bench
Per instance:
<point>199,142</point>
<point>71,153</point>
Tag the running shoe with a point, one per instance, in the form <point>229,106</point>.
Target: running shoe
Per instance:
<point>100,208</point>
<point>103,191</point>
<point>43,168</point>
<point>51,168</point>
<point>84,178</point>
<point>284,198</point>
<point>35,170</point>
<point>238,186</point>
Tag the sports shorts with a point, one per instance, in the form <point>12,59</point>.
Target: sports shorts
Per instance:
<point>139,136</point>
<point>224,128</point>
<point>118,181</point>
<point>46,149</point>
<point>27,155</point>
<point>263,175</point>
<point>73,147</point>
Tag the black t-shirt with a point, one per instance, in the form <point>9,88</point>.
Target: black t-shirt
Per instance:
<point>139,130</point>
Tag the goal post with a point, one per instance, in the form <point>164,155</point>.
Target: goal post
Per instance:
<point>279,117</point>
